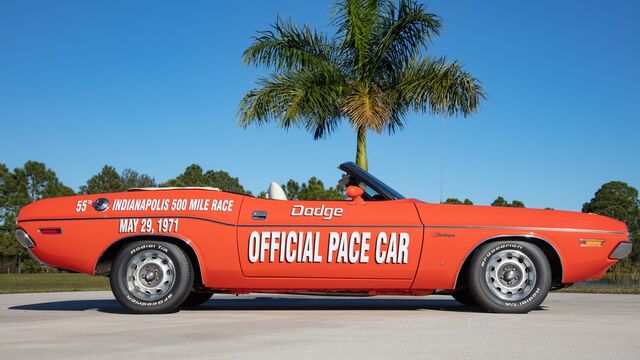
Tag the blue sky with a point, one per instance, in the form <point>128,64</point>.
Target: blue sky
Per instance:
<point>155,85</point>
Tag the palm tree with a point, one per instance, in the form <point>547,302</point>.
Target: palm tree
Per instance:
<point>370,73</point>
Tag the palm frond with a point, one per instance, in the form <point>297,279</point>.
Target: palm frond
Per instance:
<point>435,85</point>
<point>371,72</point>
<point>288,47</point>
<point>307,97</point>
<point>356,21</point>
<point>366,106</point>
<point>396,119</point>
<point>403,33</point>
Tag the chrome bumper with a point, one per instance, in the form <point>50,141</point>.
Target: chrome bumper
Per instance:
<point>24,239</point>
<point>622,250</point>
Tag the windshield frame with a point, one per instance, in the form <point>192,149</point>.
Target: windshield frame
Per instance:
<point>360,174</point>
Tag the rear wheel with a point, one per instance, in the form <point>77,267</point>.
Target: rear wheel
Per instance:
<point>509,277</point>
<point>151,277</point>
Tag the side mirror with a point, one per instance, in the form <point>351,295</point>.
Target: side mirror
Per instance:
<point>355,193</point>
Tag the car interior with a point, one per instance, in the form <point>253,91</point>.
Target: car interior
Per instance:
<point>374,189</point>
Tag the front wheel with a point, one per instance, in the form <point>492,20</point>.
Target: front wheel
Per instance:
<point>509,277</point>
<point>197,298</point>
<point>150,277</point>
<point>464,297</point>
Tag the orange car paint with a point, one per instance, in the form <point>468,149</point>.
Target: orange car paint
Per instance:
<point>348,243</point>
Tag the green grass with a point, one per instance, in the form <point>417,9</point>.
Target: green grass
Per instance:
<point>601,289</point>
<point>24,283</point>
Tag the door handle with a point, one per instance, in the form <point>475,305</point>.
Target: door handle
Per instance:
<point>259,215</point>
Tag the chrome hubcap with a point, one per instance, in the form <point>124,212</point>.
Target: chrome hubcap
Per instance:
<point>150,275</point>
<point>510,275</point>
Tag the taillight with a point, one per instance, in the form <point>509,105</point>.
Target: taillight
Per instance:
<point>50,231</point>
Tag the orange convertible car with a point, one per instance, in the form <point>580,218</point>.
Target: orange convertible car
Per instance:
<point>169,247</point>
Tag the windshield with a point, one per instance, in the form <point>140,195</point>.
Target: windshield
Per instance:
<point>374,188</point>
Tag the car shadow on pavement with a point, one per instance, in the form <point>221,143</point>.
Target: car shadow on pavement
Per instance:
<point>110,306</point>
<point>264,303</point>
<point>351,304</point>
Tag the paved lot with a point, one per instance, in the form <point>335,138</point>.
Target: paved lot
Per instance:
<point>91,325</point>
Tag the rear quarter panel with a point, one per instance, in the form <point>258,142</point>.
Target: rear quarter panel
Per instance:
<point>208,227</point>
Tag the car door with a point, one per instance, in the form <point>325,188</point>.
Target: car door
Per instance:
<point>329,239</point>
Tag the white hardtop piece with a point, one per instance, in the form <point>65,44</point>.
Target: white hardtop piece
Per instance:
<point>275,192</point>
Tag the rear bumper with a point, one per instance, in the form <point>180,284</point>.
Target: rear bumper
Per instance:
<point>621,251</point>
<point>25,240</point>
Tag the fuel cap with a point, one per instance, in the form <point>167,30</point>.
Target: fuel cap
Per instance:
<point>101,204</point>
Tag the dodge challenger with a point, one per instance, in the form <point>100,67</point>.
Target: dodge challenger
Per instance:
<point>166,248</point>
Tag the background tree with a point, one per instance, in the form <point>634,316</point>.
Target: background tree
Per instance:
<point>311,190</point>
<point>370,73</point>
<point>620,201</point>
<point>18,188</point>
<point>314,190</point>
<point>194,175</point>
<point>34,182</point>
<point>291,189</point>
<point>457,201</point>
<point>6,188</point>
<point>500,201</point>
<point>108,180</point>
<point>133,179</point>
<point>8,245</point>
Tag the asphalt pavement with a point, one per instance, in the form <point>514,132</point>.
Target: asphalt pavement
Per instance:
<point>91,325</point>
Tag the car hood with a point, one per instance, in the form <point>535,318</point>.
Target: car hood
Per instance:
<point>493,216</point>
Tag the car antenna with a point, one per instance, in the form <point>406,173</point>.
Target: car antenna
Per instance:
<point>442,162</point>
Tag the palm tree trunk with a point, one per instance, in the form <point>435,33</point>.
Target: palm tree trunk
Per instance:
<point>361,151</point>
